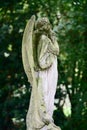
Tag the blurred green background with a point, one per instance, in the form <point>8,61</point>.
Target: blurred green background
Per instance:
<point>69,19</point>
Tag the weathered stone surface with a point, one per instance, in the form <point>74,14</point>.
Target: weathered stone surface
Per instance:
<point>39,54</point>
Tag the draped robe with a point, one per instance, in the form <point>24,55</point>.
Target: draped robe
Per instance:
<point>46,75</point>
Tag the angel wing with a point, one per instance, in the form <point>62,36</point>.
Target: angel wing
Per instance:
<point>27,50</point>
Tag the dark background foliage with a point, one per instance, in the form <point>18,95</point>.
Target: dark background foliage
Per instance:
<point>69,19</point>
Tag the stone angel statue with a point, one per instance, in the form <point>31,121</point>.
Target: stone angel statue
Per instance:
<point>39,55</point>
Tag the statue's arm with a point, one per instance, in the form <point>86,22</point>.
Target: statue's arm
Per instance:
<point>53,45</point>
<point>45,58</point>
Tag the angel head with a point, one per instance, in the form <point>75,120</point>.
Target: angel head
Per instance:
<point>43,24</point>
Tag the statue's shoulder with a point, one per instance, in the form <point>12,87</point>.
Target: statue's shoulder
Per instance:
<point>43,37</point>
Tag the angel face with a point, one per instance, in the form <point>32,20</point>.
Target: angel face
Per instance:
<point>43,24</point>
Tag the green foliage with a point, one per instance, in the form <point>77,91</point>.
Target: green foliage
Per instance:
<point>69,19</point>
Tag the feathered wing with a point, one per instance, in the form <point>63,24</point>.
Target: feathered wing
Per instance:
<point>27,50</point>
<point>28,63</point>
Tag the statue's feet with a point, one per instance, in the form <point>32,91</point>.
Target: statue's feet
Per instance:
<point>53,127</point>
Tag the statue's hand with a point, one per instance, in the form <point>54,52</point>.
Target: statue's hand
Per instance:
<point>36,68</point>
